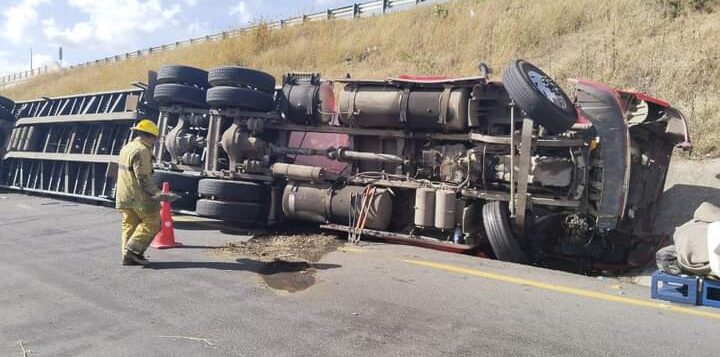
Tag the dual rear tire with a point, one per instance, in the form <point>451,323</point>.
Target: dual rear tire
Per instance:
<point>181,85</point>
<point>241,88</point>
<point>234,201</point>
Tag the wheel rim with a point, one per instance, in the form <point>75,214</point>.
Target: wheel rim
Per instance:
<point>548,88</point>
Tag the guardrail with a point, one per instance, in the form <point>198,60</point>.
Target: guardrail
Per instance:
<point>353,11</point>
<point>18,77</point>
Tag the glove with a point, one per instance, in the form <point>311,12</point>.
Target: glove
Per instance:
<point>167,196</point>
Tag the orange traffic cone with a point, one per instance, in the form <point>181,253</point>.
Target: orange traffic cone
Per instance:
<point>166,237</point>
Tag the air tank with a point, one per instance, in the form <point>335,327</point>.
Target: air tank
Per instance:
<point>425,207</point>
<point>445,209</point>
<point>295,172</point>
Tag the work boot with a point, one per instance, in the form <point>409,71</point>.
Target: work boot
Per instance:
<point>126,261</point>
<point>132,258</point>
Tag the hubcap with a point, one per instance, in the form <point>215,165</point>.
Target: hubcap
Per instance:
<point>548,88</point>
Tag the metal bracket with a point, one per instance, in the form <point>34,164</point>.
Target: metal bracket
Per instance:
<point>523,172</point>
<point>404,99</point>
<point>444,105</point>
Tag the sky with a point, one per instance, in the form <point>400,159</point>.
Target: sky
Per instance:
<point>93,29</point>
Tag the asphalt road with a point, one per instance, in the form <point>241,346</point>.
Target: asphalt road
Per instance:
<point>63,293</point>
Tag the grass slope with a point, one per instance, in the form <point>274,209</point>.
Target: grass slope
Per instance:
<point>668,48</point>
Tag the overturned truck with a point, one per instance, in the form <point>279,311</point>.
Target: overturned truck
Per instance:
<point>516,169</point>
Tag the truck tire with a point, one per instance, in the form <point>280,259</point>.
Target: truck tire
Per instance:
<point>241,191</point>
<point>235,97</point>
<point>539,96</point>
<point>499,234</point>
<point>179,181</point>
<point>6,103</point>
<point>171,93</point>
<point>241,212</point>
<point>182,75</point>
<point>241,77</point>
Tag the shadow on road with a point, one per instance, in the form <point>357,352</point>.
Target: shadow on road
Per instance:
<point>244,264</point>
<point>190,246</point>
<point>222,227</point>
<point>680,202</point>
<point>279,274</point>
<point>193,226</point>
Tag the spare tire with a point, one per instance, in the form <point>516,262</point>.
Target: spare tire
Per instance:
<point>182,75</point>
<point>233,190</point>
<point>497,228</point>
<point>179,181</point>
<point>235,97</point>
<point>6,103</point>
<point>170,93</point>
<point>539,96</point>
<point>242,77</point>
<point>242,212</point>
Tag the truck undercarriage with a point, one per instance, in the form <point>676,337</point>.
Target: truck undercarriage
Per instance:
<point>515,169</point>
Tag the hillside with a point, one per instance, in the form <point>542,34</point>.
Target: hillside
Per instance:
<point>669,48</point>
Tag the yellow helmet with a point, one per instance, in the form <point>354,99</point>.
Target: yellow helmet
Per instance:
<point>147,126</point>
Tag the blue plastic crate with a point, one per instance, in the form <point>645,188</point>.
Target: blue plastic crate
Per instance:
<point>710,295</point>
<point>675,288</point>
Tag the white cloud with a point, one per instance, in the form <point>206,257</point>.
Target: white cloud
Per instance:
<point>326,2</point>
<point>19,18</point>
<point>11,64</point>
<point>42,60</point>
<point>113,24</point>
<point>241,12</point>
<point>197,29</point>
<point>8,66</point>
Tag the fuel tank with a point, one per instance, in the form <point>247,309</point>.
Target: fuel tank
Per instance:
<point>321,204</point>
<point>391,107</point>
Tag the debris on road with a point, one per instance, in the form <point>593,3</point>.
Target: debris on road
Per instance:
<point>22,346</point>
<point>690,254</point>
<point>270,247</point>
<point>206,340</point>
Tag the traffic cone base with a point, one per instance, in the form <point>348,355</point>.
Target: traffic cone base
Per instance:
<point>166,237</point>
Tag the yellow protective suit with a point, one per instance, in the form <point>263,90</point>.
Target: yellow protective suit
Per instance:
<point>134,197</point>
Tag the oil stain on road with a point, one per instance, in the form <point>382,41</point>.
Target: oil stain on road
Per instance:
<point>287,262</point>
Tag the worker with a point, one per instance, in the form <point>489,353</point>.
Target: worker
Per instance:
<point>137,196</point>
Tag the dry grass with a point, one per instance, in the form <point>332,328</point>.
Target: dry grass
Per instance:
<point>626,43</point>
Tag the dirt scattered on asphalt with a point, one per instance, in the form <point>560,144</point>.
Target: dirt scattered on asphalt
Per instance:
<point>301,247</point>
<point>287,262</point>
